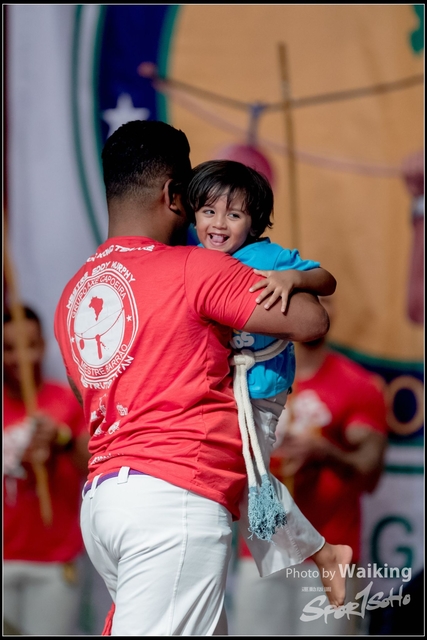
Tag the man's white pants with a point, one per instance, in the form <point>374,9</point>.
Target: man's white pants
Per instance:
<point>162,551</point>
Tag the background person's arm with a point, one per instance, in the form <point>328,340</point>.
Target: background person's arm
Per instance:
<point>364,461</point>
<point>51,437</point>
<point>306,319</point>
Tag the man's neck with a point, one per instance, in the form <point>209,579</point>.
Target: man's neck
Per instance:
<point>159,235</point>
<point>131,219</point>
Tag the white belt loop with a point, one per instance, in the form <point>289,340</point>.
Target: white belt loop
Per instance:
<point>123,475</point>
<point>93,487</point>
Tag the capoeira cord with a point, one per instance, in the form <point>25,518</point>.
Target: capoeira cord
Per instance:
<point>265,511</point>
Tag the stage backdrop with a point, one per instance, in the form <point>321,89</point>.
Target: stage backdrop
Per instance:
<point>354,74</point>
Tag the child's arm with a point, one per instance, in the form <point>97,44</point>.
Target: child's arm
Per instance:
<point>280,284</point>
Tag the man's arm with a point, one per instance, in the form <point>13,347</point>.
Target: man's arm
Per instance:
<point>305,320</point>
<point>75,390</point>
<point>80,451</point>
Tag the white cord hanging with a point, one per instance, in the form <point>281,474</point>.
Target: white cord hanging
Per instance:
<point>265,511</point>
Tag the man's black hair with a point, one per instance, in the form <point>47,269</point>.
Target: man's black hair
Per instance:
<point>142,153</point>
<point>214,178</point>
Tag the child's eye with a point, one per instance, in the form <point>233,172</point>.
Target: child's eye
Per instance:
<point>208,212</point>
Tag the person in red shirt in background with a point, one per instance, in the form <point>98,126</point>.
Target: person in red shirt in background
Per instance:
<point>40,577</point>
<point>330,446</point>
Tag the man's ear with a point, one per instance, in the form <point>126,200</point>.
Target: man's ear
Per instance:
<point>171,196</point>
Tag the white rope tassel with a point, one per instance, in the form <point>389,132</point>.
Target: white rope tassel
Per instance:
<point>240,371</point>
<point>265,511</point>
<point>242,363</point>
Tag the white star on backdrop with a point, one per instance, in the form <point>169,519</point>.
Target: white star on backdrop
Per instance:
<point>124,112</point>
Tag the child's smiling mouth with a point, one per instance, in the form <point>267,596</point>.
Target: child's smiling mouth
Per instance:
<point>217,238</point>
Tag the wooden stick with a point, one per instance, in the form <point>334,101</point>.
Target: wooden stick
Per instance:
<point>28,388</point>
<point>290,144</point>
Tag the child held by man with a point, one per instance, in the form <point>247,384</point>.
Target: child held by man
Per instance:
<point>231,205</point>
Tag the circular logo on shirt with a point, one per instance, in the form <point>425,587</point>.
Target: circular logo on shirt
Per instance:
<point>102,324</point>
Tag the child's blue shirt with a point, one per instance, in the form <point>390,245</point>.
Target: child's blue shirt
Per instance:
<point>267,379</point>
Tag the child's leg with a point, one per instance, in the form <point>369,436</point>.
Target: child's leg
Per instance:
<point>331,561</point>
<point>294,543</point>
<point>266,413</point>
<point>298,539</point>
<point>290,545</point>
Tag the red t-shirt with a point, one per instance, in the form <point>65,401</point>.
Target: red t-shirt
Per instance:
<point>25,536</point>
<point>341,394</point>
<point>141,331</point>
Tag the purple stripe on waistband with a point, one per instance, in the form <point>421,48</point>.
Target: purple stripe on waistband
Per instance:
<point>112,474</point>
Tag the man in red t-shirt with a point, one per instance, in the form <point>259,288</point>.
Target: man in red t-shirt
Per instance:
<point>40,574</point>
<point>330,445</point>
<point>144,329</point>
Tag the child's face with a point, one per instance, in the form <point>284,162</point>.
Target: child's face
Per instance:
<point>223,228</point>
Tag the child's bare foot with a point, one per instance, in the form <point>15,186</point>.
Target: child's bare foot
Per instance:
<point>331,561</point>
